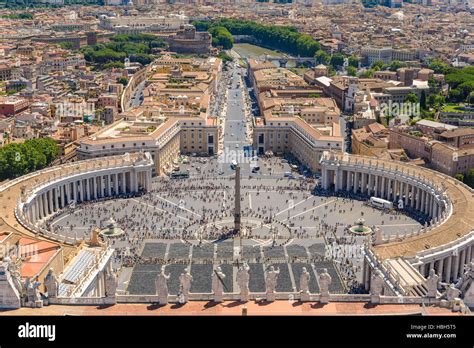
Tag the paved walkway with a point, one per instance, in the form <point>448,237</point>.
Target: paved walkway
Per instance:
<point>235,308</point>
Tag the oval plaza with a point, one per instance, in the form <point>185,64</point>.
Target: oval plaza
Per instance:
<point>81,269</point>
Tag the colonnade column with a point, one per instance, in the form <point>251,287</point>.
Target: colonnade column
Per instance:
<point>376,187</point>
<point>116,183</point>
<point>356,183</point>
<point>348,180</point>
<point>440,268</point>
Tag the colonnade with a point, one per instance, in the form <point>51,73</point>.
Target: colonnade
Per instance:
<point>448,262</point>
<point>54,196</point>
<point>384,184</point>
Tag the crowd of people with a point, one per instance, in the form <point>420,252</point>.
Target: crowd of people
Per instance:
<point>200,209</point>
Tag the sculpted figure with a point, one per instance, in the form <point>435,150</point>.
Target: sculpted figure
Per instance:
<point>13,268</point>
<point>51,283</point>
<point>111,283</point>
<point>432,283</point>
<point>452,293</point>
<point>35,291</point>
<point>161,283</point>
<point>185,280</point>
<point>304,281</point>
<point>376,285</point>
<point>218,284</point>
<point>271,278</point>
<point>243,281</point>
<point>324,281</point>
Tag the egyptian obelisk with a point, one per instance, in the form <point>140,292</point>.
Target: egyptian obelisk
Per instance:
<point>237,218</point>
<point>237,201</point>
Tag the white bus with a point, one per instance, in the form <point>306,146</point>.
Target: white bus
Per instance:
<point>380,203</point>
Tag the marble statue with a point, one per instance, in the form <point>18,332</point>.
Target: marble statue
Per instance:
<point>111,283</point>
<point>452,293</point>
<point>243,278</point>
<point>36,292</point>
<point>13,268</point>
<point>218,284</point>
<point>325,281</point>
<point>28,290</point>
<point>432,283</point>
<point>51,283</point>
<point>10,297</point>
<point>185,280</point>
<point>162,286</point>
<point>469,294</point>
<point>32,295</point>
<point>271,278</point>
<point>304,284</point>
<point>378,236</point>
<point>376,286</point>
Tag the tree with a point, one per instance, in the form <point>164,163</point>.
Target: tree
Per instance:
<point>20,159</point>
<point>351,71</point>
<point>438,66</point>
<point>322,57</point>
<point>455,95</point>
<point>411,98</point>
<point>469,178</point>
<point>123,81</point>
<point>470,98</point>
<point>354,61</point>
<point>423,100</point>
<point>378,65</point>
<point>459,177</point>
<point>66,45</point>
<point>284,38</point>
<point>337,60</point>
<point>436,101</point>
<point>225,57</point>
<point>221,37</point>
<point>367,73</point>
<point>396,64</point>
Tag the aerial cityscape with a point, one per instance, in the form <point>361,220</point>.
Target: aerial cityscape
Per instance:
<point>238,157</point>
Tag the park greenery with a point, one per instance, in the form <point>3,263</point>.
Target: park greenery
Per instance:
<point>225,57</point>
<point>284,38</point>
<point>468,178</point>
<point>22,4</point>
<point>138,47</point>
<point>21,15</point>
<point>18,159</point>
<point>459,80</point>
<point>221,37</point>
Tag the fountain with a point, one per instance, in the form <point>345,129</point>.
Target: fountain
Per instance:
<point>112,230</point>
<point>359,228</point>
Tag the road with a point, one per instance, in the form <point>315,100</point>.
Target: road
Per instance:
<point>136,99</point>
<point>235,136</point>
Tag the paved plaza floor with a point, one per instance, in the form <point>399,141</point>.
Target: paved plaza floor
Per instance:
<point>188,224</point>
